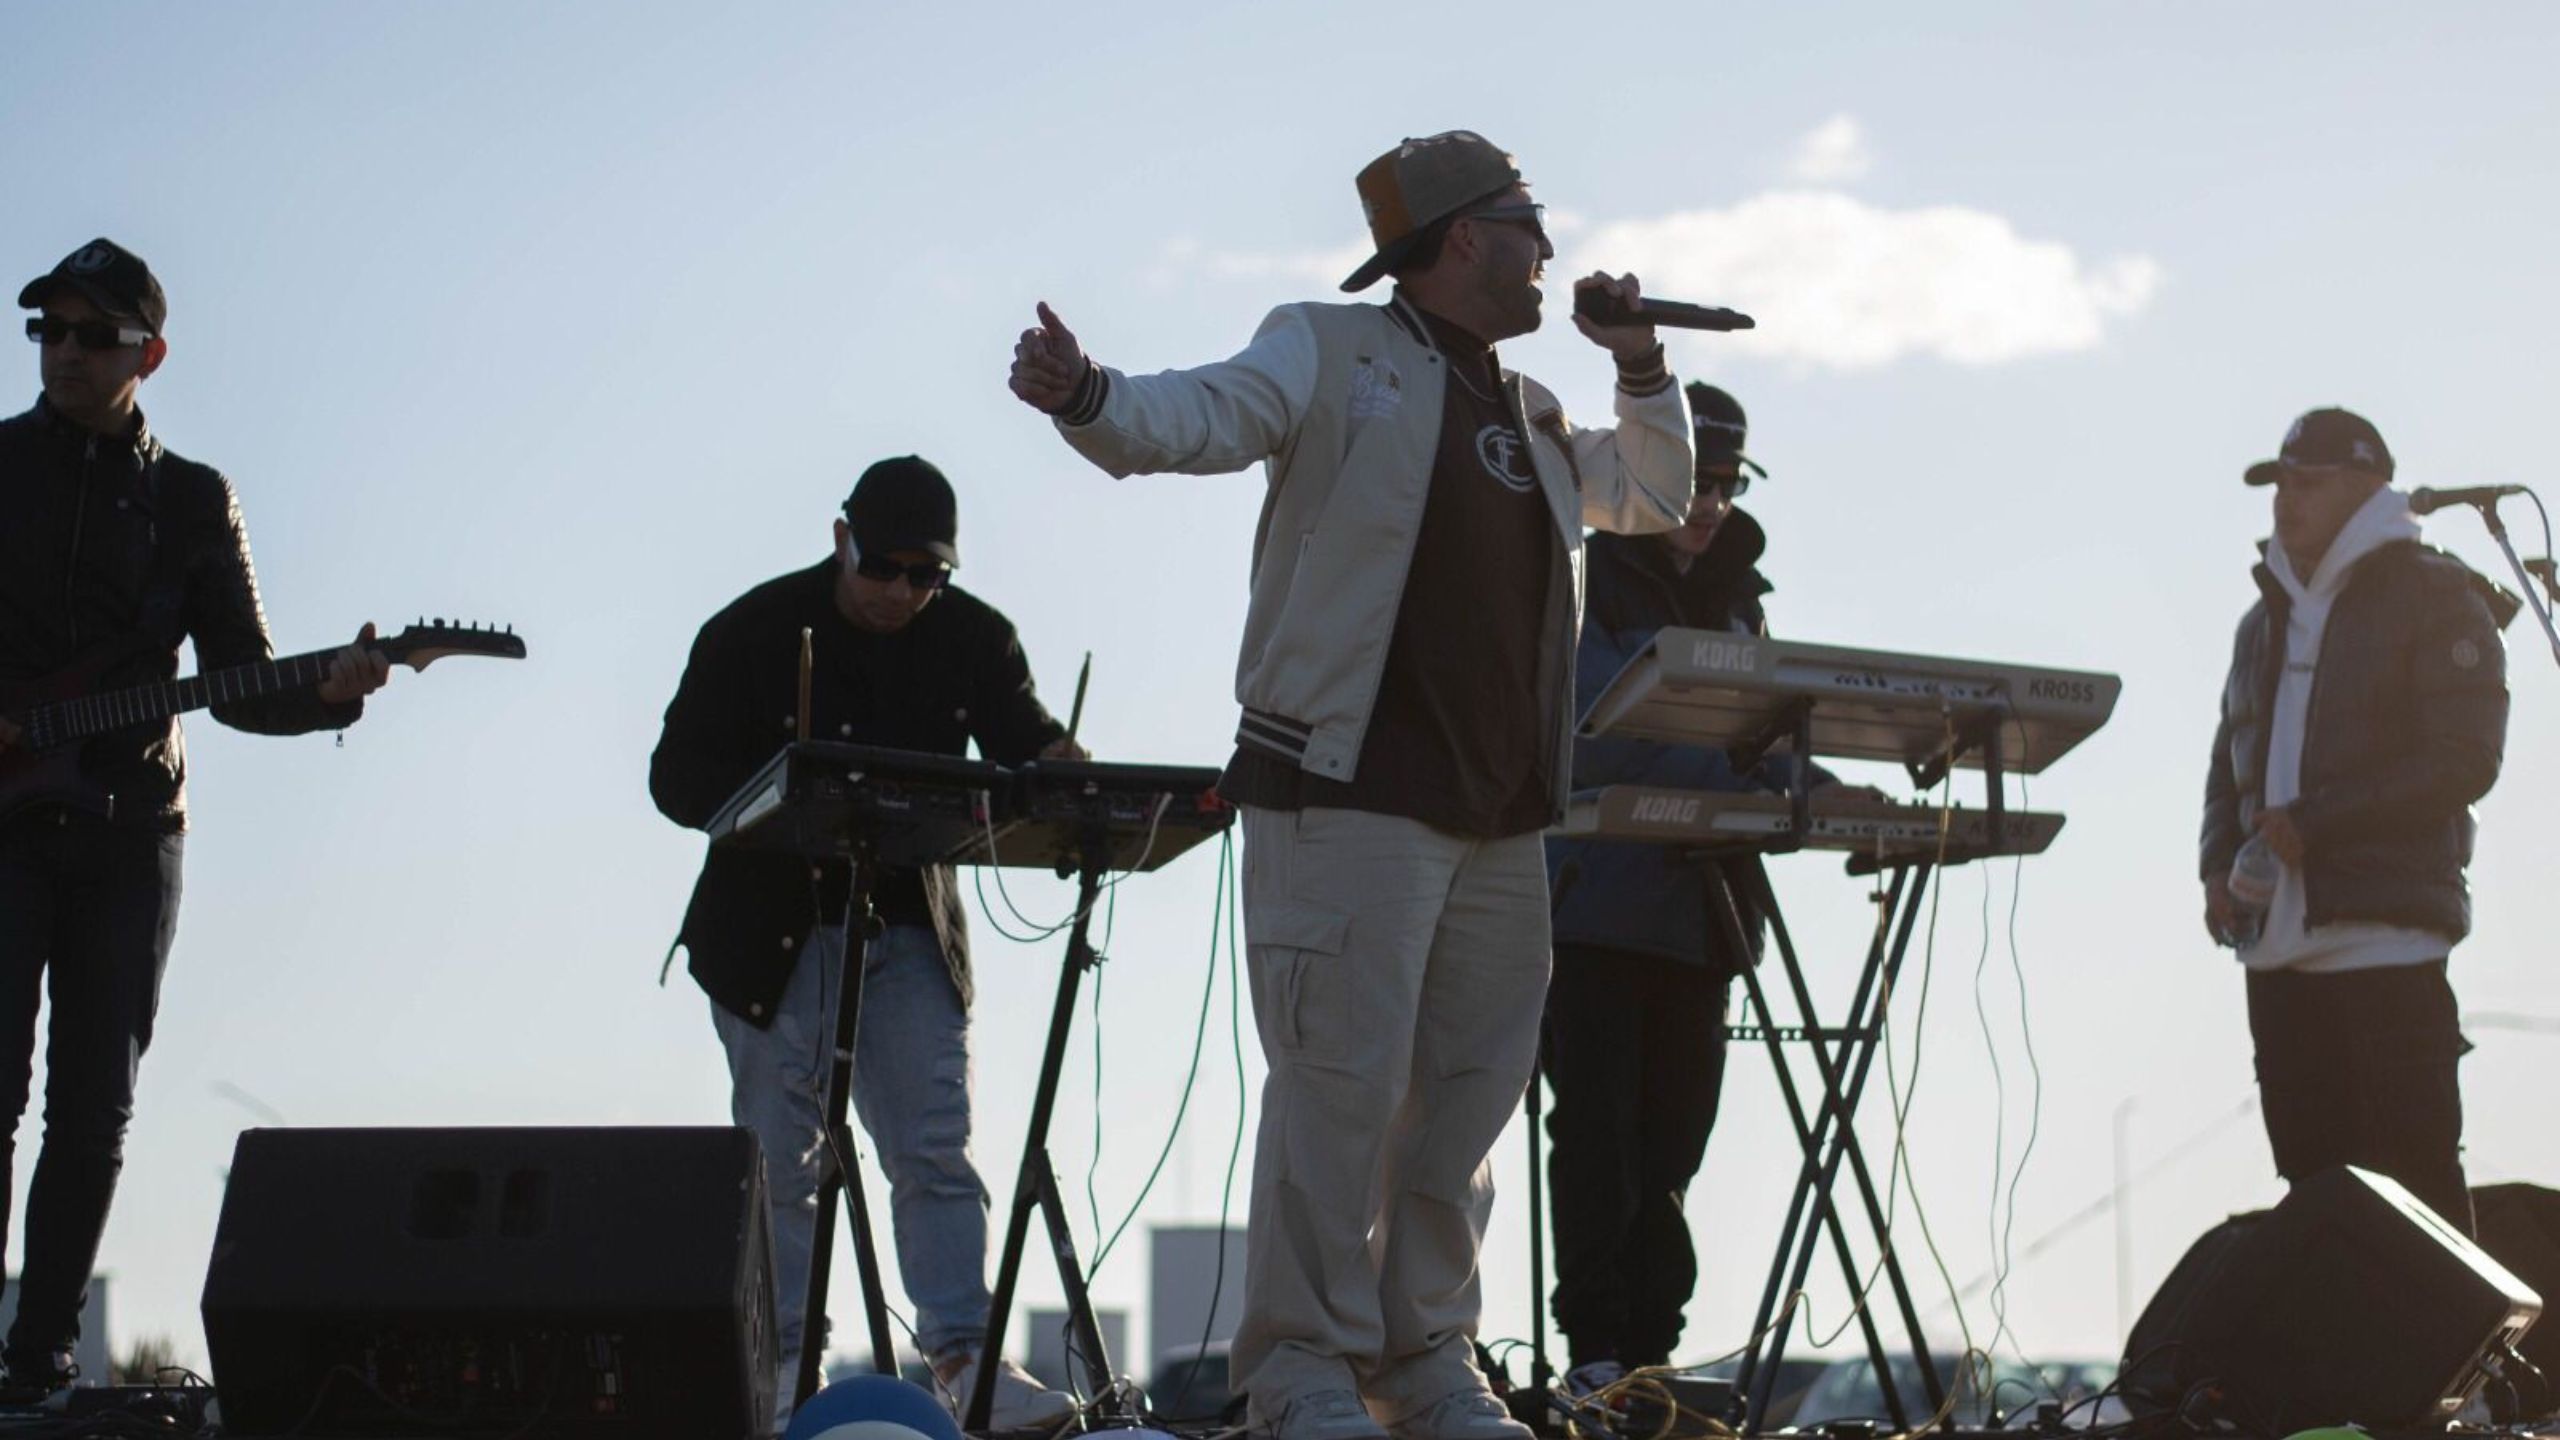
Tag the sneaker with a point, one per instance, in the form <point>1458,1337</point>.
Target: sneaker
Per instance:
<point>25,1382</point>
<point>1467,1415</point>
<point>1592,1376</point>
<point>1021,1402</point>
<point>1326,1415</point>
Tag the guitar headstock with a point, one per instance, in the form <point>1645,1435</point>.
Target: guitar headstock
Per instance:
<point>428,641</point>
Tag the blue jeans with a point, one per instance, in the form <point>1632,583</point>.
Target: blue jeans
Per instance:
<point>87,913</point>
<point>911,1093</point>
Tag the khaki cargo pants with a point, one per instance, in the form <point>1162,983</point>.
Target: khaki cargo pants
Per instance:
<point>1398,978</point>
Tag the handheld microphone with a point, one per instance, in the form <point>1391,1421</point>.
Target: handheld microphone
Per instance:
<point>2424,501</point>
<point>1601,308</point>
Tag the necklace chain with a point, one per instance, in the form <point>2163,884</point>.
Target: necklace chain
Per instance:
<point>1459,371</point>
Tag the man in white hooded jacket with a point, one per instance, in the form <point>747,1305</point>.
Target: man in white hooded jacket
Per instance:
<point>1406,679</point>
<point>2364,714</point>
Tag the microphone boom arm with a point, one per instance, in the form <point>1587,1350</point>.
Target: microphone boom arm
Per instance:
<point>2535,598</point>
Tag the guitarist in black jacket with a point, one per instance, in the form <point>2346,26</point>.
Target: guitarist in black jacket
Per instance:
<point>112,551</point>
<point>906,660</point>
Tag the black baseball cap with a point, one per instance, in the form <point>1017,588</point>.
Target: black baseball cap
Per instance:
<point>2325,438</point>
<point>110,277</point>
<point>903,503</point>
<point>1717,428</point>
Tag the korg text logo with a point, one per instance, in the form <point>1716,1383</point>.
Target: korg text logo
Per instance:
<point>1720,652</point>
<point>1666,810</point>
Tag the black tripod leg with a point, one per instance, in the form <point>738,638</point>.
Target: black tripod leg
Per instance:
<point>1540,1375</point>
<point>841,1167</point>
<point>1083,1327</point>
<point>1027,1185</point>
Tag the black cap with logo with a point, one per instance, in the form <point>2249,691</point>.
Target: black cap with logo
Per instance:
<point>2328,438</point>
<point>110,277</point>
<point>903,503</point>
<point>1717,428</point>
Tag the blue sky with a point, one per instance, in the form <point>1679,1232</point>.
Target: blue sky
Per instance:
<point>584,317</point>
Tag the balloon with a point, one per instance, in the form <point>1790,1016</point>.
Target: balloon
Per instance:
<point>872,1407</point>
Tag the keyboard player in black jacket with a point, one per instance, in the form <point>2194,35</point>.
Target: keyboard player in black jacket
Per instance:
<point>904,659</point>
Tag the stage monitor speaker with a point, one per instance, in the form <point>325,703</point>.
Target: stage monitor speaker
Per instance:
<point>593,1283</point>
<point>2520,1228</point>
<point>2350,1302</point>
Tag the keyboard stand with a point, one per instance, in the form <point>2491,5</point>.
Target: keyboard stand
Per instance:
<point>840,1169</point>
<point>1751,696</point>
<point>1828,1135</point>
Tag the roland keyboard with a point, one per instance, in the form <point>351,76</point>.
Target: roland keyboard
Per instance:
<point>1872,832</point>
<point>1717,688</point>
<point>822,798</point>
<point>1141,815</point>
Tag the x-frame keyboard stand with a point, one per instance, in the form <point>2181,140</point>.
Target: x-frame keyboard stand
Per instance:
<point>1828,1135</point>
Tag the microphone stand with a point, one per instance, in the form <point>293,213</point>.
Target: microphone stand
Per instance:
<point>2543,601</point>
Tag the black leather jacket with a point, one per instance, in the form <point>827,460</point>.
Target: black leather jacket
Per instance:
<point>121,548</point>
<point>955,674</point>
<point>2407,727</point>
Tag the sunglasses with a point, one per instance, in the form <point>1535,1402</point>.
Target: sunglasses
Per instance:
<point>91,334</point>
<point>928,575</point>
<point>1733,486</point>
<point>1530,217</point>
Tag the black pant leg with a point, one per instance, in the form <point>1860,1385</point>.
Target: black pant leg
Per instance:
<point>26,940</point>
<point>1594,1076</point>
<point>2409,1086</point>
<point>2293,1028</point>
<point>117,915</point>
<point>1683,1059</point>
<point>2360,1068</point>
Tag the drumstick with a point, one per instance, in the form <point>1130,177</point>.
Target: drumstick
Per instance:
<point>1075,715</point>
<point>804,682</point>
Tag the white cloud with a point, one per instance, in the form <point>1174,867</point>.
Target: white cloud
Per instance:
<point>1832,152</point>
<point>1838,283</point>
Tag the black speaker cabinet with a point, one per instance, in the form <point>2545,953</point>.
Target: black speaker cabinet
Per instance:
<point>2520,1227</point>
<point>2349,1302</point>
<point>593,1283</point>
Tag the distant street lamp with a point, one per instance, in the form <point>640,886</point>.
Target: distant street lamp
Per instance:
<point>2124,1221</point>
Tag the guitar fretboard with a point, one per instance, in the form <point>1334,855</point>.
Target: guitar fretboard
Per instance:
<point>64,721</point>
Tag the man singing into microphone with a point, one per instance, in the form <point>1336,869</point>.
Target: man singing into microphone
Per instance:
<point>2365,711</point>
<point>1406,680</point>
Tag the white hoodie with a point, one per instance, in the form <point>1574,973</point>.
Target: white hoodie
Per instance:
<point>2285,943</point>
